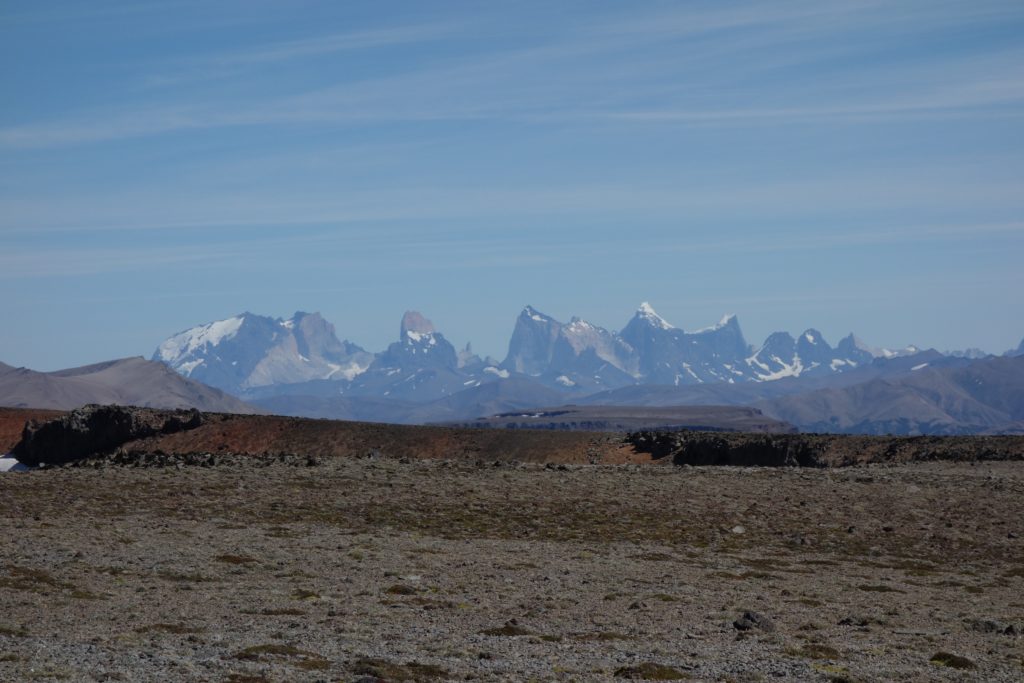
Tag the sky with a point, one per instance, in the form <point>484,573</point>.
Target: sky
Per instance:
<point>848,166</point>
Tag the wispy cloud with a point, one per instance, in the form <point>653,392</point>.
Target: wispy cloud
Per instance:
<point>684,199</point>
<point>623,71</point>
<point>230,64</point>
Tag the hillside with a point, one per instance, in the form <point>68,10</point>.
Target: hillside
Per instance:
<point>127,381</point>
<point>629,418</point>
<point>984,396</point>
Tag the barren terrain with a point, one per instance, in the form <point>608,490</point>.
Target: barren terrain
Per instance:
<point>293,568</point>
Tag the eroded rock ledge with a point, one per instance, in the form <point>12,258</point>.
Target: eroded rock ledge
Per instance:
<point>94,429</point>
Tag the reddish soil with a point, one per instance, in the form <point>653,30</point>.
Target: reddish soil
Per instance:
<point>260,435</point>
<point>12,422</point>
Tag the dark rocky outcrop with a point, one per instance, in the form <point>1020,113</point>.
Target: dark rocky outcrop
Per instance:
<point>712,448</point>
<point>818,450</point>
<point>97,430</point>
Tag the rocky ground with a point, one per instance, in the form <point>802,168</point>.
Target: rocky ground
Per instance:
<point>294,568</point>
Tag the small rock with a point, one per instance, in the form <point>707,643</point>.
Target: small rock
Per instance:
<point>984,625</point>
<point>991,626</point>
<point>753,620</point>
<point>738,529</point>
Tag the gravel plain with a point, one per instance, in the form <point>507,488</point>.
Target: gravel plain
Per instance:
<point>364,569</point>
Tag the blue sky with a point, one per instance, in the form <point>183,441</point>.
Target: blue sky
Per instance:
<point>851,166</point>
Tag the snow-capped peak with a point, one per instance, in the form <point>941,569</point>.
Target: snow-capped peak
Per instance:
<point>726,320</point>
<point>647,312</point>
<point>194,338</point>
<point>890,353</point>
<point>579,324</point>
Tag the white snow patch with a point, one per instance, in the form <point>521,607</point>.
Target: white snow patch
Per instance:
<point>288,324</point>
<point>810,338</point>
<point>416,337</point>
<point>787,370</point>
<point>753,360</point>
<point>647,312</point>
<point>205,335</point>
<point>538,318</point>
<point>919,367</point>
<point>349,372</point>
<point>887,353</point>
<point>726,319</point>
<point>187,368</point>
<point>304,359</point>
<point>686,366</point>
<point>565,381</point>
<point>11,464</point>
<point>839,362</point>
<point>503,374</point>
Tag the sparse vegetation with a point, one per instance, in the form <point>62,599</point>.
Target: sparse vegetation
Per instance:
<point>651,672</point>
<point>177,629</point>
<point>597,582</point>
<point>507,630</point>
<point>815,651</point>
<point>302,659</point>
<point>411,671</point>
<point>952,661</point>
<point>235,559</point>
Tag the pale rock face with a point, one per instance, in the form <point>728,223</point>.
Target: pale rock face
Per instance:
<point>413,321</point>
<point>248,351</point>
<point>577,355</point>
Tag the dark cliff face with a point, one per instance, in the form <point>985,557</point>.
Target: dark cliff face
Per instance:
<point>419,347</point>
<point>96,430</point>
<point>532,346</point>
<point>744,450</point>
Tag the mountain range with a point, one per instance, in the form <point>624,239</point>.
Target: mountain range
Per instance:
<point>298,366</point>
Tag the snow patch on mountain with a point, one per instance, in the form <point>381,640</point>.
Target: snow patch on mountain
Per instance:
<point>195,338</point>
<point>724,322</point>
<point>647,312</point>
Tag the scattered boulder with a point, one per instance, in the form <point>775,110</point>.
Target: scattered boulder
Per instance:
<point>749,621</point>
<point>991,626</point>
<point>511,628</point>
<point>97,430</point>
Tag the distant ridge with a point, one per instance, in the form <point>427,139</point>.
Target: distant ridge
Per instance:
<point>985,396</point>
<point>126,381</point>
